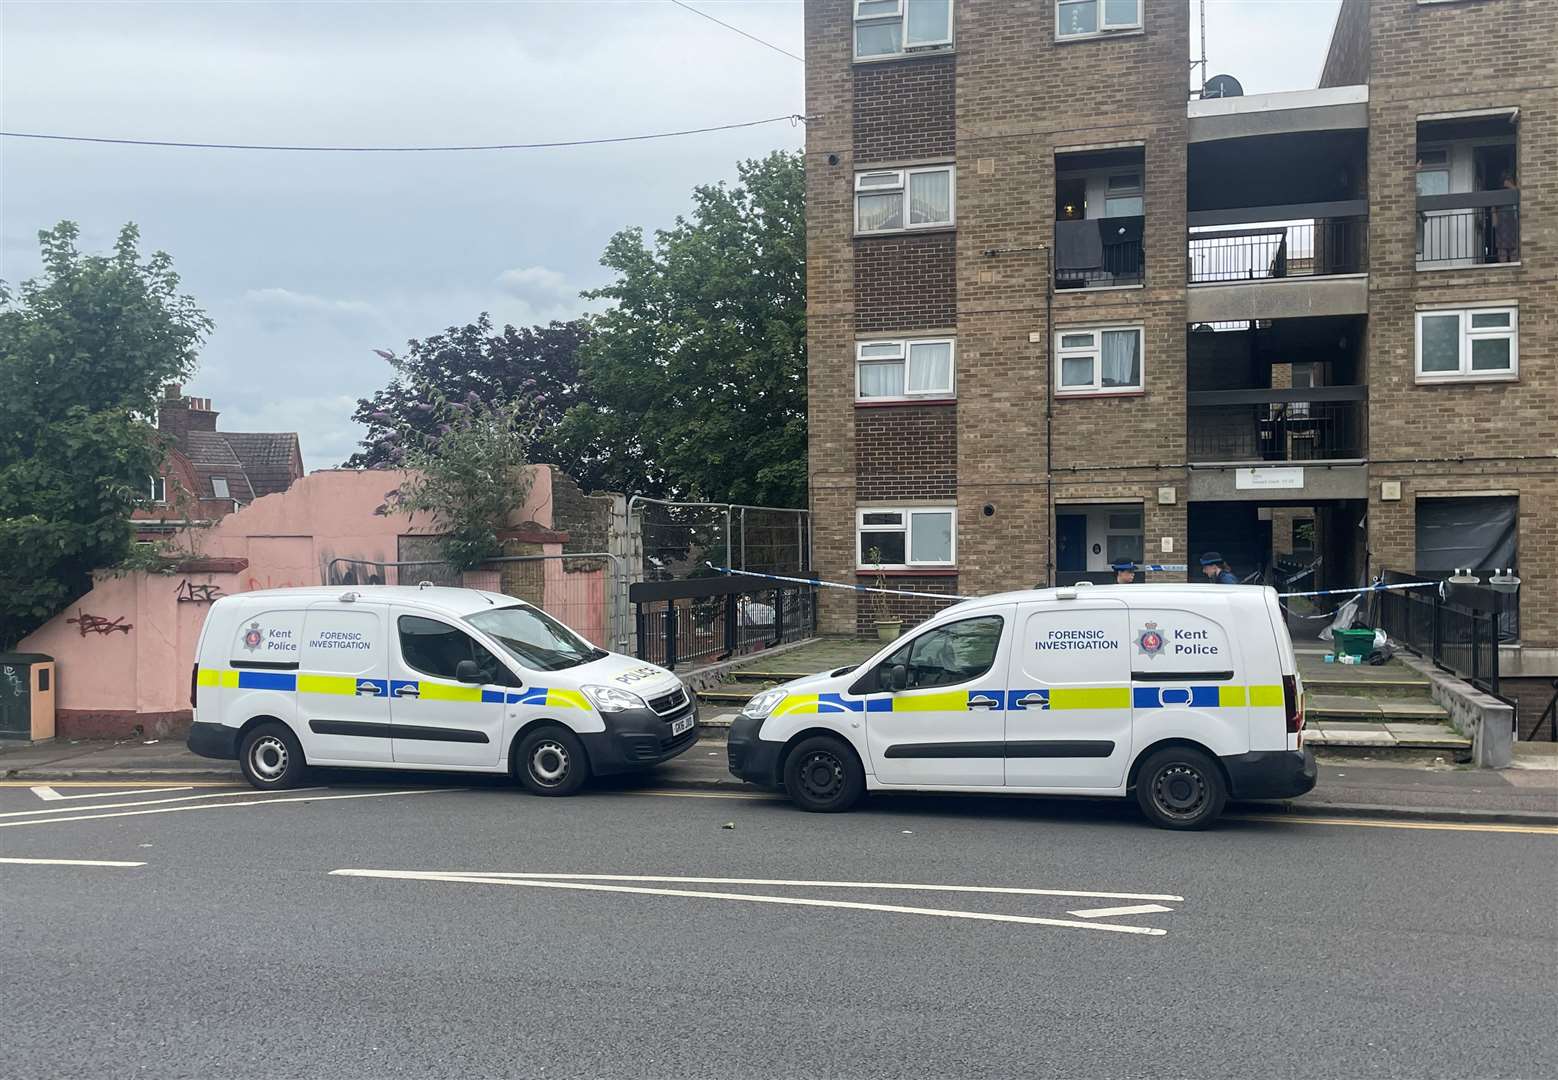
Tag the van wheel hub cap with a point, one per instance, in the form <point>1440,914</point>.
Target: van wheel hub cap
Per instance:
<point>268,757</point>
<point>821,775</point>
<point>1179,791</point>
<point>549,762</point>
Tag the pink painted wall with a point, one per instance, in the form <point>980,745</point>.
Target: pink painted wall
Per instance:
<point>110,683</point>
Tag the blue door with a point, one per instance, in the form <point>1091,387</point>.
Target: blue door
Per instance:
<point>1071,543</point>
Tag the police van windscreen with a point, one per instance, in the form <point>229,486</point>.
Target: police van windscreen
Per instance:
<point>535,639</point>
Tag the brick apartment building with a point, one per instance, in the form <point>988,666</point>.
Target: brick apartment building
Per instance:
<point>209,473</point>
<point>1064,312</point>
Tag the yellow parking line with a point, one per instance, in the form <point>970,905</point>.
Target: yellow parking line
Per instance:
<point>1367,823</point>
<point>705,795</point>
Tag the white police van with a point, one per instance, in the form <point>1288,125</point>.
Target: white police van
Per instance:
<point>424,678</point>
<point>1185,695</point>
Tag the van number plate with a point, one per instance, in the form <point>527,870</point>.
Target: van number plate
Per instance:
<point>679,726</point>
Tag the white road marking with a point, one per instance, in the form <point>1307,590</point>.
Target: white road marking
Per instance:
<point>69,862</point>
<point>1108,912</point>
<point>792,901</point>
<point>143,802</point>
<point>998,890</point>
<point>222,806</point>
<point>48,794</point>
<point>704,795</point>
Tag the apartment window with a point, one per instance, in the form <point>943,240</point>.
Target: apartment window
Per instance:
<point>1100,360</point>
<point>1469,344</point>
<point>1124,539</point>
<point>159,489</point>
<point>219,487</point>
<point>1083,18</point>
<point>893,27</point>
<point>880,199</point>
<point>1123,195</point>
<point>1433,171</point>
<point>903,370</point>
<point>906,538</point>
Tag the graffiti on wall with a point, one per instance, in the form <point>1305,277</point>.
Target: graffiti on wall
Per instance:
<point>97,624</point>
<point>190,593</point>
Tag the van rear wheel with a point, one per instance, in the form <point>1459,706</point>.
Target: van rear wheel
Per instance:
<point>823,775</point>
<point>1181,788</point>
<point>271,758</point>
<point>550,761</point>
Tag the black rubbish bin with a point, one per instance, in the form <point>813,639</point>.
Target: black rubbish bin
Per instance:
<point>26,696</point>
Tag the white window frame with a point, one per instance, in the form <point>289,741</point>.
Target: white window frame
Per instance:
<point>900,16</point>
<point>1104,28</point>
<point>900,184</point>
<point>906,514</point>
<point>1135,191</point>
<point>225,493</point>
<point>1096,351</point>
<point>159,490</point>
<point>905,357</point>
<point>1464,372</point>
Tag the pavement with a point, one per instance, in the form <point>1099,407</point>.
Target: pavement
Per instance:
<point>407,925</point>
<point>1430,787</point>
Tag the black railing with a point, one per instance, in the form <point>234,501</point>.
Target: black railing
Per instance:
<point>1306,249</point>
<point>1457,627</point>
<point>1548,719</point>
<point>715,618</point>
<point>1480,235</point>
<point>1276,430</point>
<point>1099,252</point>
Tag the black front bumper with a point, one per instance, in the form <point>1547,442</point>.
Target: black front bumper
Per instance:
<point>637,739</point>
<point>213,740</point>
<point>753,759</point>
<point>1270,774</point>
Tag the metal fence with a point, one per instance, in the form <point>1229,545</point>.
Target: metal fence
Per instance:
<point>714,618</point>
<point>1457,627</point>
<point>1279,250</point>
<point>679,539</point>
<point>1277,431</point>
<point>1485,234</point>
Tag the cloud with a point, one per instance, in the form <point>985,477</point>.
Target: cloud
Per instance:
<point>285,300</point>
<point>537,284</point>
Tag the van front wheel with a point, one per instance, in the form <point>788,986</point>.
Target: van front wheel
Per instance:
<point>1181,788</point>
<point>550,761</point>
<point>271,758</point>
<point>823,775</point>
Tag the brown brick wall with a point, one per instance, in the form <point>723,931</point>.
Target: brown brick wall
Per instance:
<point>906,452</point>
<point>1347,64</point>
<point>905,282</point>
<point>911,609</point>
<point>903,109</point>
<point>1444,439</point>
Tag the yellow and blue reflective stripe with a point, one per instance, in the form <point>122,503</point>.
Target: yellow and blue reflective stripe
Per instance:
<point>1223,696</point>
<point>404,689</point>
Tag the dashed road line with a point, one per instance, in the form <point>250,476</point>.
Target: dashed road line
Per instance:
<point>1111,912</point>
<point>222,806</point>
<point>68,862</point>
<point>788,901</point>
<point>143,802</point>
<point>47,793</point>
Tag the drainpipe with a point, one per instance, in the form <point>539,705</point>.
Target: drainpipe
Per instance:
<point>1049,416</point>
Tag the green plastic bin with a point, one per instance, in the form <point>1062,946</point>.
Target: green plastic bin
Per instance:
<point>1357,643</point>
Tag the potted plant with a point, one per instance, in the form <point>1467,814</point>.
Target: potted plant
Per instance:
<point>888,627</point>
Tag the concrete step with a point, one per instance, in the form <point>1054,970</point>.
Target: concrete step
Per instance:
<point>727,697</point>
<point>1371,688</point>
<point>1340,735</point>
<point>1351,707</point>
<point>769,676</point>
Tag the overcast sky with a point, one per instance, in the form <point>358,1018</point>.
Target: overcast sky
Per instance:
<point>307,262</point>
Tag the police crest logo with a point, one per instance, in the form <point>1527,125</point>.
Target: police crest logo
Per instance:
<point>253,637</point>
<point>1150,640</point>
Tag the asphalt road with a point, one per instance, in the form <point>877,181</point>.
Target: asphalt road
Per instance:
<point>1281,948</point>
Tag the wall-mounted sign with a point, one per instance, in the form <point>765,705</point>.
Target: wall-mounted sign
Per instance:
<point>1269,479</point>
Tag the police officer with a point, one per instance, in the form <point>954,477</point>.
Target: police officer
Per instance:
<point>1216,569</point>
<point>1124,573</point>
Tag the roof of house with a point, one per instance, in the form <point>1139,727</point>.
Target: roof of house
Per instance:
<point>253,463</point>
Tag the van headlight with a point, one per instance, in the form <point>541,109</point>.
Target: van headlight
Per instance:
<point>763,704</point>
<point>612,698</point>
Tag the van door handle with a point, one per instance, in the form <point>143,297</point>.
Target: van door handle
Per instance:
<point>983,702</point>
<point>1028,700</point>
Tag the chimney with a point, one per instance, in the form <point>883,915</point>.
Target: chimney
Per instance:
<point>178,415</point>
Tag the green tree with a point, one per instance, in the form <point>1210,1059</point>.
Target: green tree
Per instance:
<point>695,377</point>
<point>84,351</point>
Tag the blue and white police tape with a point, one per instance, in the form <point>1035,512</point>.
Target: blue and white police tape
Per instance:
<point>1376,587</point>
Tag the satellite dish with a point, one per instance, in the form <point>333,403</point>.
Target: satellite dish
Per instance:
<point>1220,86</point>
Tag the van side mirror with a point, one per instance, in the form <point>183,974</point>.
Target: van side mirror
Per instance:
<point>897,678</point>
<point>468,671</point>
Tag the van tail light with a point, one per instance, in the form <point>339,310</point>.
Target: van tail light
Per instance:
<point>1293,703</point>
<point>194,681</point>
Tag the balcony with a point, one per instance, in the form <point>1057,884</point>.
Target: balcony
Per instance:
<point>1319,423</point>
<point>1476,228</point>
<point>1279,250</point>
<point>1099,252</point>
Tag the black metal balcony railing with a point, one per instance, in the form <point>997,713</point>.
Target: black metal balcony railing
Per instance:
<point>1306,249</point>
<point>1317,424</point>
<point>1099,252</point>
<point>1469,234</point>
